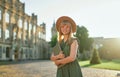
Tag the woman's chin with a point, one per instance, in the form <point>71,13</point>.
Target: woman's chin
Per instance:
<point>65,33</point>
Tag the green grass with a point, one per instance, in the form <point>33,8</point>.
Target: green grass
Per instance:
<point>112,65</point>
<point>7,62</point>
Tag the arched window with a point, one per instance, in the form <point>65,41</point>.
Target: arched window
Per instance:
<point>20,23</point>
<point>7,34</point>
<point>14,35</point>
<point>7,17</point>
<point>0,32</point>
<point>25,34</point>
<point>19,35</point>
<point>30,28</point>
<point>25,25</point>
<point>34,29</point>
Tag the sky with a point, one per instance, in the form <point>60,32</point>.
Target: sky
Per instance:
<point>100,17</point>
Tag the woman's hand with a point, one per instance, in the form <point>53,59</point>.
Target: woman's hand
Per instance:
<point>57,62</point>
<point>61,56</point>
<point>53,58</point>
<point>57,57</point>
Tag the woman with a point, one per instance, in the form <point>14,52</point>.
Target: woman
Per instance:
<point>69,45</point>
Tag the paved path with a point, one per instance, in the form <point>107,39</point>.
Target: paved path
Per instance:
<point>47,69</point>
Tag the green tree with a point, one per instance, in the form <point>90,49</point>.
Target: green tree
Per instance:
<point>95,59</point>
<point>84,41</point>
<point>53,41</point>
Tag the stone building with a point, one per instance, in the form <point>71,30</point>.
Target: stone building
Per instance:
<point>108,48</point>
<point>98,42</point>
<point>20,36</point>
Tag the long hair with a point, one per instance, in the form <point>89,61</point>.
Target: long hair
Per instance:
<point>61,36</point>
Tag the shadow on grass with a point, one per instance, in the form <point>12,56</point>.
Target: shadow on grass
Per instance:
<point>9,62</point>
<point>19,62</point>
<point>87,65</point>
<point>116,60</point>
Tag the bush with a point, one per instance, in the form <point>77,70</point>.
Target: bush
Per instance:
<point>95,59</point>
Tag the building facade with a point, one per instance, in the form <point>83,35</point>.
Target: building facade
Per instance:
<point>108,48</point>
<point>20,36</point>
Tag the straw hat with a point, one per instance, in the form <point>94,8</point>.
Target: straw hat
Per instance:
<point>63,18</point>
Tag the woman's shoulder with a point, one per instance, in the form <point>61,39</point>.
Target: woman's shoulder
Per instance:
<point>73,39</point>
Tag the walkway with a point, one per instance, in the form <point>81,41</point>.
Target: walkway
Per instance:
<point>47,69</point>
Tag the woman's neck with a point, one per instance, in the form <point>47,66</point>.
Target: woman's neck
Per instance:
<point>65,38</point>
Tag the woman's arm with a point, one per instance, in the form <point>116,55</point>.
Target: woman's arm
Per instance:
<point>53,58</point>
<point>72,57</point>
<point>59,56</point>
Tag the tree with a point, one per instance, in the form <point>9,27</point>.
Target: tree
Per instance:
<point>53,41</point>
<point>84,41</point>
<point>95,59</point>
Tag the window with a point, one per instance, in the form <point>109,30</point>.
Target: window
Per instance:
<point>25,34</point>
<point>7,17</point>
<point>7,52</point>
<point>14,35</point>
<point>34,40</point>
<point>0,15</point>
<point>9,1</point>
<point>0,51</point>
<point>30,28</point>
<point>25,25</point>
<point>20,23</point>
<point>34,29</point>
<point>0,31</point>
<point>19,35</point>
<point>44,37</point>
<point>39,34</point>
<point>101,45</point>
<point>7,34</point>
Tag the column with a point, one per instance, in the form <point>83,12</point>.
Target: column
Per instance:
<point>3,32</point>
<point>27,32</point>
<point>16,41</point>
<point>11,36</point>
<point>23,31</point>
<point>3,25</point>
<point>11,24</point>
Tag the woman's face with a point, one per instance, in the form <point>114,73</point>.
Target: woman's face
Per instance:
<point>65,28</point>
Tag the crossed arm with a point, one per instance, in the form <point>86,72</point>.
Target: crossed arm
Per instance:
<point>59,56</point>
<point>70,58</point>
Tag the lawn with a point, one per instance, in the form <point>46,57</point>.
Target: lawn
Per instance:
<point>112,65</point>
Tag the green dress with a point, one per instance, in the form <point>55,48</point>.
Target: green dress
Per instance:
<point>70,69</point>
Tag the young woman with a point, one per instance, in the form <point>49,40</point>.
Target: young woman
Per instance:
<point>69,45</point>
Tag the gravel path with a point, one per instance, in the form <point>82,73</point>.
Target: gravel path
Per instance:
<point>47,69</point>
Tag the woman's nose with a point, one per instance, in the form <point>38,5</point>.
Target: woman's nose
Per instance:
<point>64,28</point>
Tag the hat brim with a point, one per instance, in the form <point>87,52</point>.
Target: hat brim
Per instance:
<point>61,19</point>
